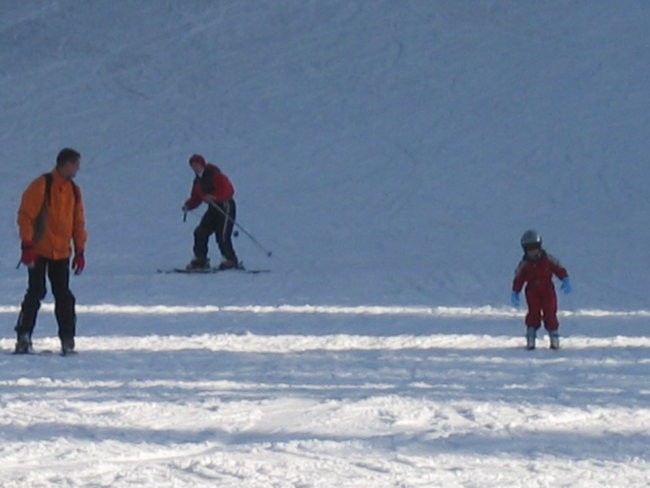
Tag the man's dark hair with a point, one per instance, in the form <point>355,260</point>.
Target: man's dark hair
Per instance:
<point>66,155</point>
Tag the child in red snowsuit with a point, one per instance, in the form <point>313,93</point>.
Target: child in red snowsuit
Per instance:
<point>536,270</point>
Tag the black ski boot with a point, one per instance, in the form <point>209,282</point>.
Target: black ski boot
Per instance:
<point>67,346</point>
<point>198,264</point>
<point>24,345</point>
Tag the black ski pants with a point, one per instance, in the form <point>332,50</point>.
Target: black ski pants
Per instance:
<point>219,221</point>
<point>58,272</point>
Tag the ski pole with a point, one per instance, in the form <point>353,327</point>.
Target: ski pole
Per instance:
<point>250,236</point>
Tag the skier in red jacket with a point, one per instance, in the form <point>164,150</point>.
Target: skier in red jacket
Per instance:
<point>213,187</point>
<point>536,269</point>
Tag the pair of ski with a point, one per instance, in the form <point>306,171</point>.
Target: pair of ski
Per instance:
<point>212,270</point>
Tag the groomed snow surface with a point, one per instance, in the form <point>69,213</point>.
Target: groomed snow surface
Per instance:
<point>329,398</point>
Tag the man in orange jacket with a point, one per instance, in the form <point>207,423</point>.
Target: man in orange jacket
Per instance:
<point>50,219</point>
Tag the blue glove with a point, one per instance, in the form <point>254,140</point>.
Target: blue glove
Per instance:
<point>514,299</point>
<point>566,285</point>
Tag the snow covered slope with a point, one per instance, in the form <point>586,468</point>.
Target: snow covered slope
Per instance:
<point>398,148</point>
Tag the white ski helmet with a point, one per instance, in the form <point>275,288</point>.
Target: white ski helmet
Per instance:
<point>531,239</point>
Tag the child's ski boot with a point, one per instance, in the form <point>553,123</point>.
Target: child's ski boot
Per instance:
<point>531,334</point>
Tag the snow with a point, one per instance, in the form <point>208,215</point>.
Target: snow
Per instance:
<point>390,154</point>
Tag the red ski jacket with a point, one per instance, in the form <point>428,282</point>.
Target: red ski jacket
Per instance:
<point>211,182</point>
<point>538,273</point>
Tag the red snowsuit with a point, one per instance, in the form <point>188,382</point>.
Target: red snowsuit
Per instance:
<point>538,273</point>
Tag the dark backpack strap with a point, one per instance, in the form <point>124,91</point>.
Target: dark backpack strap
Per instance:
<point>48,188</point>
<point>39,221</point>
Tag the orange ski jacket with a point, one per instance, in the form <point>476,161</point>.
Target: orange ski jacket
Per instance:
<point>52,225</point>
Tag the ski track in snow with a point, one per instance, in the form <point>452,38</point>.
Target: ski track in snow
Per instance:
<point>481,312</point>
<point>298,410</point>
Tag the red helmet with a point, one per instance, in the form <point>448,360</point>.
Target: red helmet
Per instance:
<point>197,158</point>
